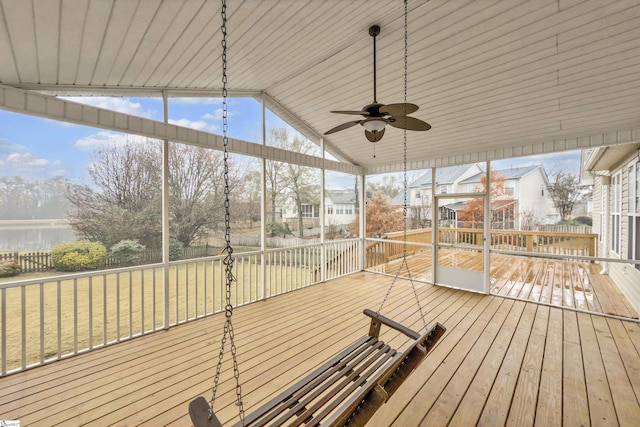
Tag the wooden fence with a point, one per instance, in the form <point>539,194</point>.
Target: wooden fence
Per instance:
<point>35,262</point>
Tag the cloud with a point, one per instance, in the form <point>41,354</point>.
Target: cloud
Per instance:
<point>197,100</point>
<point>197,125</point>
<point>104,139</point>
<point>121,105</point>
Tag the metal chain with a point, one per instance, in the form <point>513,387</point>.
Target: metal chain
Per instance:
<point>228,259</point>
<point>404,206</point>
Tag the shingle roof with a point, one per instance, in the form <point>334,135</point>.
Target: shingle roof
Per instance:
<point>446,175</point>
<point>341,196</point>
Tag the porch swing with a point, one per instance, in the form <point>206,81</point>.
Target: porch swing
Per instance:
<point>349,388</point>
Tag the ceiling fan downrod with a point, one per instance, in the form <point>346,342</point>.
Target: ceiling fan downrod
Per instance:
<point>374,30</point>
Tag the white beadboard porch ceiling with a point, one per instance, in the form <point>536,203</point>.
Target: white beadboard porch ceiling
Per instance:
<point>487,74</point>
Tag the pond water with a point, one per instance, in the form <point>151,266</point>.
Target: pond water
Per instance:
<point>37,237</point>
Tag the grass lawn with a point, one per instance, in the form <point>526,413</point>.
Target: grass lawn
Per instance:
<point>90,314</point>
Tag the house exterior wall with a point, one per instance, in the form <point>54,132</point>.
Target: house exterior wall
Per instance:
<point>533,197</point>
<point>626,276</point>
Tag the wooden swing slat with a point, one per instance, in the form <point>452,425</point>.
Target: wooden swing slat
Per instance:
<point>349,388</point>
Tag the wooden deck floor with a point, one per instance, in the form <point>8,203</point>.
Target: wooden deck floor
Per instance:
<point>574,284</point>
<point>501,362</point>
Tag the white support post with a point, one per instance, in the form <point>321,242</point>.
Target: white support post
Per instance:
<point>362,225</point>
<point>165,216</point>
<point>323,249</point>
<point>434,226</point>
<point>263,202</point>
<point>486,242</point>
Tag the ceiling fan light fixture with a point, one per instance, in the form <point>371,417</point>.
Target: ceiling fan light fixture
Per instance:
<point>374,125</point>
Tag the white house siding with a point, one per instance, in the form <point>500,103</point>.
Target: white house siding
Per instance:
<point>528,192</point>
<point>624,275</point>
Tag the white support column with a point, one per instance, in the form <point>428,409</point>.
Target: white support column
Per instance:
<point>362,229</point>
<point>323,252</point>
<point>434,225</point>
<point>263,202</point>
<point>165,215</point>
<point>486,241</point>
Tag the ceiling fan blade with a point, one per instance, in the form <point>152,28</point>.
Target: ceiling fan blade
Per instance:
<point>363,113</point>
<point>409,123</point>
<point>343,127</point>
<point>400,109</point>
<point>374,137</point>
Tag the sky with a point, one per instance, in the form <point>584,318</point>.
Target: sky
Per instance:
<point>37,148</point>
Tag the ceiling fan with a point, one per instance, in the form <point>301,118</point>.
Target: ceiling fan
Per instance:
<point>376,115</point>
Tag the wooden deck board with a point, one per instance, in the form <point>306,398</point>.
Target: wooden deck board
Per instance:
<point>558,282</point>
<point>500,361</point>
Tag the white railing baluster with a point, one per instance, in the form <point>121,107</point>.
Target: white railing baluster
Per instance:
<point>177,294</point>
<point>117,307</point>
<point>75,316</point>
<point>90,313</point>
<point>104,310</point>
<point>142,302</point>
<point>186,292</point>
<point>41,322</point>
<point>130,304</point>
<point>59,314</point>
<point>3,319</point>
<point>195,305</point>
<point>23,299</point>
<point>153,299</point>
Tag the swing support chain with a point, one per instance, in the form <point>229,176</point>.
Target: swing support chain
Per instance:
<point>404,263</point>
<point>228,259</point>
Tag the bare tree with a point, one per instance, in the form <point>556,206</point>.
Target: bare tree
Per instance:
<point>565,192</point>
<point>124,202</point>
<point>298,183</point>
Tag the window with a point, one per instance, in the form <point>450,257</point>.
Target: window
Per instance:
<point>329,210</point>
<point>510,189</point>
<point>418,194</point>
<point>443,189</point>
<point>307,210</point>
<point>616,207</point>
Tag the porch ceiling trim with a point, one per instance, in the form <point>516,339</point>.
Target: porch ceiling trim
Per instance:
<point>51,107</point>
<point>621,136</point>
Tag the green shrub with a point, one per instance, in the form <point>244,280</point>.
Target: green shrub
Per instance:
<point>127,251</point>
<point>78,256</point>
<point>9,268</point>
<point>586,220</point>
<point>176,249</point>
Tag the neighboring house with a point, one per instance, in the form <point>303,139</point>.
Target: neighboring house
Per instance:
<point>615,174</point>
<point>527,199</point>
<point>340,210</point>
<point>419,191</point>
<point>340,207</point>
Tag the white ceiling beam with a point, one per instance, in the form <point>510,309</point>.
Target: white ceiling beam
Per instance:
<point>51,107</point>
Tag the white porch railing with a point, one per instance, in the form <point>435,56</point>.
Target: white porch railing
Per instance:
<point>50,318</point>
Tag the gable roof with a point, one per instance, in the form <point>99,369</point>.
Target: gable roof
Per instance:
<point>511,173</point>
<point>447,175</point>
<point>341,196</point>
